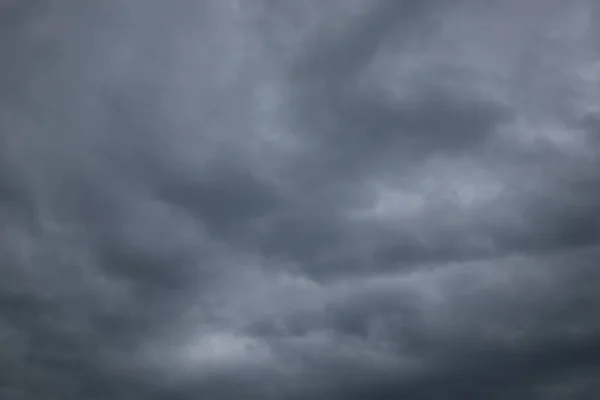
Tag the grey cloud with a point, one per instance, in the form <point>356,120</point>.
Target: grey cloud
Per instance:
<point>358,127</point>
<point>298,200</point>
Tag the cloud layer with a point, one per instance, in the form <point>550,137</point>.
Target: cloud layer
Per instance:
<point>299,200</point>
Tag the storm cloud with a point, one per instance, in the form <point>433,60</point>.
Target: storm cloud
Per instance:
<point>335,199</point>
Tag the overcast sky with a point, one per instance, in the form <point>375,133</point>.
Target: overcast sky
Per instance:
<point>299,199</point>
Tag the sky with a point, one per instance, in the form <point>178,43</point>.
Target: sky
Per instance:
<point>299,200</point>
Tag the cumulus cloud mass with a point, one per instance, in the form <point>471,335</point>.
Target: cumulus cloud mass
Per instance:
<point>299,199</point>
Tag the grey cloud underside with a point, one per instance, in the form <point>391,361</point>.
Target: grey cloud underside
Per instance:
<point>296,200</point>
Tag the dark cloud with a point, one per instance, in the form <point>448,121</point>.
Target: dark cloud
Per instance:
<point>299,200</point>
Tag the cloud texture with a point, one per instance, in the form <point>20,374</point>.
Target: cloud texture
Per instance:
<point>340,199</point>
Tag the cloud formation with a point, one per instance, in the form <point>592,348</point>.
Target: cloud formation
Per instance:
<point>299,200</point>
